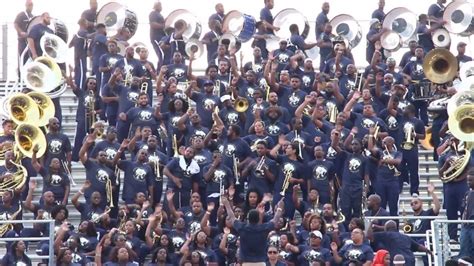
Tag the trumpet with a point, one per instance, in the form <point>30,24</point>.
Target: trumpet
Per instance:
<point>387,155</point>
<point>260,166</point>
<point>69,175</point>
<point>286,182</point>
<point>128,79</point>
<point>236,169</point>
<point>175,146</point>
<point>409,142</point>
<point>144,87</point>
<point>155,163</point>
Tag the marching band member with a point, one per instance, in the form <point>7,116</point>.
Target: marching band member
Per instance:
<point>261,171</point>
<point>21,23</point>
<point>157,28</point>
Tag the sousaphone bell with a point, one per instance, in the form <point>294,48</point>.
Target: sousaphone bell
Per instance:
<point>285,18</point>
<point>402,21</point>
<point>115,16</point>
<point>466,74</point>
<point>45,107</point>
<point>54,47</point>
<point>28,135</point>
<point>440,66</point>
<point>194,47</point>
<point>23,109</point>
<point>347,27</point>
<point>230,41</point>
<point>43,74</point>
<point>441,38</point>
<point>190,21</point>
<point>459,17</point>
<point>391,40</point>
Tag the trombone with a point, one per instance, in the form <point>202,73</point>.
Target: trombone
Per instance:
<point>299,140</point>
<point>235,161</point>
<point>155,162</point>
<point>69,175</point>
<point>90,107</point>
<point>260,166</point>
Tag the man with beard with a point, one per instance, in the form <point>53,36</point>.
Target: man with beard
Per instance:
<point>141,116</point>
<point>35,34</point>
<point>58,147</point>
<point>261,171</point>
<point>211,40</point>
<point>206,101</point>
<point>177,68</point>
<point>303,67</point>
<point>157,27</point>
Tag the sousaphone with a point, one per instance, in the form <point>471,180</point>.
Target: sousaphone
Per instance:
<point>43,75</point>
<point>347,27</point>
<point>186,19</point>
<point>402,21</point>
<point>54,47</point>
<point>459,17</point>
<point>28,135</point>
<point>194,46</point>
<point>23,109</point>
<point>466,74</point>
<point>45,107</point>
<point>440,66</point>
<point>441,38</point>
<point>229,40</point>
<point>391,40</point>
<point>115,16</point>
<point>285,18</point>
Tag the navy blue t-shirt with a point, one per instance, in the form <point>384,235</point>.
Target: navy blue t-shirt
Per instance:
<point>36,32</point>
<point>253,240</point>
<point>356,253</point>
<point>137,178</point>
<point>355,168</point>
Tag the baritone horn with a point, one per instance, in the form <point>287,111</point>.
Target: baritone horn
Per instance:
<point>17,181</point>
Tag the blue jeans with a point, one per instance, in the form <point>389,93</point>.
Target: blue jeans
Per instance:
<point>467,242</point>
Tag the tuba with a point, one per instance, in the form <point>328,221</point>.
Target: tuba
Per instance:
<point>348,28</point>
<point>459,16</point>
<point>17,181</point>
<point>28,136</point>
<point>116,16</point>
<point>230,41</point>
<point>403,22</point>
<point>241,25</point>
<point>45,107</point>
<point>440,66</point>
<point>183,18</point>
<point>391,40</point>
<point>457,167</point>
<point>23,109</point>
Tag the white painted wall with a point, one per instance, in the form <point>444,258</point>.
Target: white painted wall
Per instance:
<point>69,12</point>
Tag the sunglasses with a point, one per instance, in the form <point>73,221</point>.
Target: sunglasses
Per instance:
<point>272,252</point>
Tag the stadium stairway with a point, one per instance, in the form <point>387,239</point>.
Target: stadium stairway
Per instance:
<point>427,170</point>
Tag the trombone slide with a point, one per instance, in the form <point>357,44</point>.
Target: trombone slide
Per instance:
<point>69,175</point>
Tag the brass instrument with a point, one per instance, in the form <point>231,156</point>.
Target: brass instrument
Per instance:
<point>241,104</point>
<point>259,169</point>
<point>387,155</point>
<point>364,198</point>
<point>6,226</point>
<point>23,109</point>
<point>44,75</point>
<point>286,182</point>
<point>108,189</point>
<point>96,219</point>
<point>235,163</point>
<point>194,48</point>
<point>332,112</point>
<point>69,175</point>
<point>128,79</point>
<point>407,227</point>
<point>144,87</point>
<point>458,165</point>
<point>155,164</point>
<point>409,142</point>
<point>175,146</point>
<point>217,88</point>
<point>17,180</point>
<point>28,136</point>
<point>89,102</point>
<point>54,47</point>
<point>440,66</point>
<point>7,146</point>
<point>461,115</point>
<point>300,147</point>
<point>45,107</point>
<point>307,110</point>
<point>377,129</point>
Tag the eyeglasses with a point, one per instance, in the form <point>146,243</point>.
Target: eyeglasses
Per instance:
<point>272,252</point>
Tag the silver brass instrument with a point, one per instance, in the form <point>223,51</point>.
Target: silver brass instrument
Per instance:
<point>69,175</point>
<point>230,41</point>
<point>299,140</point>
<point>217,88</point>
<point>187,19</point>
<point>347,27</point>
<point>96,218</point>
<point>466,74</point>
<point>402,21</point>
<point>387,155</point>
<point>54,47</point>
<point>259,169</point>
<point>441,38</point>
<point>391,41</point>
<point>409,141</point>
<point>440,66</point>
<point>286,183</point>
<point>128,79</point>
<point>285,18</point>
<point>155,164</point>
<point>116,16</point>
<point>144,87</point>
<point>459,16</point>
<point>195,48</point>
<point>175,146</point>
<point>235,163</point>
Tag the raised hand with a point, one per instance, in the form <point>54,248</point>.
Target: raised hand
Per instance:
<point>169,195</point>
<point>210,206</point>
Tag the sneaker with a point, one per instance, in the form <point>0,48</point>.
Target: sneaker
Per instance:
<point>414,195</point>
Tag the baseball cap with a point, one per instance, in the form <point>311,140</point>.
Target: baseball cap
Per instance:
<point>208,82</point>
<point>461,44</point>
<point>225,98</point>
<point>316,233</point>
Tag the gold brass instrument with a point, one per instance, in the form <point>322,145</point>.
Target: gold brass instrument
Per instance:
<point>43,75</point>
<point>458,165</point>
<point>440,66</point>
<point>259,169</point>
<point>308,110</point>
<point>241,104</point>
<point>387,155</point>
<point>407,227</point>
<point>154,161</point>
<point>461,115</point>
<point>109,191</point>
<point>235,163</point>
<point>69,175</point>
<point>144,87</point>
<point>23,109</point>
<point>89,102</point>
<point>332,112</point>
<point>6,226</point>
<point>45,107</point>
<point>17,180</point>
<point>427,141</point>
<point>128,79</point>
<point>175,146</point>
<point>28,136</point>
<point>286,182</point>
<point>7,146</point>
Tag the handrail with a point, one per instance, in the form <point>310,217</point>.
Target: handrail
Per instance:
<point>441,241</point>
<point>50,238</point>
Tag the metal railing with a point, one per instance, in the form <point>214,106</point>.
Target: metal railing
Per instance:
<point>441,245</point>
<point>50,237</point>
